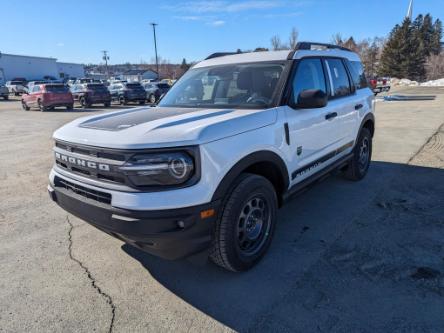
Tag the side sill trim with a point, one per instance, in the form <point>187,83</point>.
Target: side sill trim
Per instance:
<point>299,187</point>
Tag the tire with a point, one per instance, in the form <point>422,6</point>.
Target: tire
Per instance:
<point>122,101</point>
<point>141,102</point>
<point>362,153</point>
<point>25,106</point>
<point>84,103</point>
<point>5,98</point>
<point>242,237</point>
<point>152,99</point>
<point>40,105</point>
<point>107,104</point>
<point>69,107</point>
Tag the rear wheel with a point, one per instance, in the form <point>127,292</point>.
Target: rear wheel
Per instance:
<point>69,107</point>
<point>107,104</point>
<point>362,154</point>
<point>25,106</point>
<point>122,101</point>
<point>6,97</point>
<point>246,224</point>
<point>141,102</point>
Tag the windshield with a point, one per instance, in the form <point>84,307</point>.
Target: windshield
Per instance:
<point>96,87</point>
<point>56,88</point>
<point>233,86</point>
<point>134,86</point>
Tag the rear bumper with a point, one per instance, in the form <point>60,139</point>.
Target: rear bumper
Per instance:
<point>98,100</point>
<point>169,234</point>
<point>56,104</point>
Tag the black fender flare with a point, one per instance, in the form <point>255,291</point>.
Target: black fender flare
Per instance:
<point>369,116</point>
<point>247,161</point>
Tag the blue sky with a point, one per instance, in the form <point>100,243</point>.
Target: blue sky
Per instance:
<point>76,31</point>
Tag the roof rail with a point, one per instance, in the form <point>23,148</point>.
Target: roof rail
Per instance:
<point>220,54</point>
<point>312,45</point>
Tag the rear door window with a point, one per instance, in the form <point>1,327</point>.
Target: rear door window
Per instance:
<point>309,76</point>
<point>338,78</point>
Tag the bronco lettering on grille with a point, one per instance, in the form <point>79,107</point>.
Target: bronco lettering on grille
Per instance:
<point>82,163</point>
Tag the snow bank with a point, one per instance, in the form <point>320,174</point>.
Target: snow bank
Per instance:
<point>403,83</point>
<point>433,83</point>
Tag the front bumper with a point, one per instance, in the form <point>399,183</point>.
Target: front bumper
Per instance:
<point>169,234</point>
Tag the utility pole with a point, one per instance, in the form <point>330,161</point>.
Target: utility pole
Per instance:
<point>106,58</point>
<point>155,49</point>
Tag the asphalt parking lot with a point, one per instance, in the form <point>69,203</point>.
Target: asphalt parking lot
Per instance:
<point>346,257</point>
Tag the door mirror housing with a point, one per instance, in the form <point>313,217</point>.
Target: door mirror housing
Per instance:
<point>312,99</point>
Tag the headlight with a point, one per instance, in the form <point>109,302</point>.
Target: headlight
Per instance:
<point>159,169</point>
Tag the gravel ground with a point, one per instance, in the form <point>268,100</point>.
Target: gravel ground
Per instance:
<point>346,257</point>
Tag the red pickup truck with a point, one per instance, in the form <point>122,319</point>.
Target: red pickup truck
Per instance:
<point>48,96</point>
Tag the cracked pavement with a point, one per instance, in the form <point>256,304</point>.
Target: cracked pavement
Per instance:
<point>365,257</point>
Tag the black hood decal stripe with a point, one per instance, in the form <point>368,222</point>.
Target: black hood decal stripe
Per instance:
<point>122,120</point>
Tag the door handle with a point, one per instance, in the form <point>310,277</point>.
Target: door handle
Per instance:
<point>359,106</point>
<point>331,115</point>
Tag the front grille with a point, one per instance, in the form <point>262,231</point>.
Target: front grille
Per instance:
<point>111,159</point>
<point>83,191</point>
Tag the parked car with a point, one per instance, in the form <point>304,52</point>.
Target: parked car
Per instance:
<point>16,87</point>
<point>86,80</point>
<point>88,94</point>
<point>379,85</point>
<point>31,84</point>
<point>209,167</point>
<point>4,92</point>
<point>126,92</point>
<point>47,96</point>
<point>155,90</point>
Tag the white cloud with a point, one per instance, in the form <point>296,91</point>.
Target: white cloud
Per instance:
<point>218,6</point>
<point>60,44</point>
<point>217,23</point>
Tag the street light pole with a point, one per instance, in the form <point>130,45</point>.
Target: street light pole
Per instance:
<point>155,48</point>
<point>106,58</point>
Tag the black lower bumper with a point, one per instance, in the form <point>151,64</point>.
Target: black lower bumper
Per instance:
<point>169,234</point>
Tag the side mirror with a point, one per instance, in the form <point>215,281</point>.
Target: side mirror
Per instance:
<point>312,99</point>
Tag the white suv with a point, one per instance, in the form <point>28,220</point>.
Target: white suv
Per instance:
<point>227,145</point>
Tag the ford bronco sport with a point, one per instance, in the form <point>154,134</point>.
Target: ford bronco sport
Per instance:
<point>226,146</point>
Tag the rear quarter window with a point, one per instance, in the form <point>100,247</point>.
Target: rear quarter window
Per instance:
<point>358,75</point>
<point>339,78</point>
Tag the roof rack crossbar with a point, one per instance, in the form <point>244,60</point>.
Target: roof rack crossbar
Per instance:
<point>220,54</point>
<point>310,45</point>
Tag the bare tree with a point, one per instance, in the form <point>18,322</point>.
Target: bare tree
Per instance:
<point>337,39</point>
<point>293,40</point>
<point>435,67</point>
<point>276,43</point>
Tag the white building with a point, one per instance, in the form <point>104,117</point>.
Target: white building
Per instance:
<point>139,75</point>
<point>36,68</point>
<point>67,70</point>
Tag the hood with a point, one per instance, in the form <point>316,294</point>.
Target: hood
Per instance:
<point>148,127</point>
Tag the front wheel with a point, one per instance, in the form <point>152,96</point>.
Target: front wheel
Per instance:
<point>107,104</point>
<point>41,106</point>
<point>152,99</point>
<point>246,224</point>
<point>69,107</point>
<point>362,154</point>
<point>84,103</point>
<point>6,97</point>
<point>25,106</point>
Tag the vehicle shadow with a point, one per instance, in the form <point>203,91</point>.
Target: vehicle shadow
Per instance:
<point>98,108</point>
<point>307,228</point>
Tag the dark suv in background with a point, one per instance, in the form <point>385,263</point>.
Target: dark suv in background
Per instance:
<point>154,90</point>
<point>125,92</point>
<point>88,94</point>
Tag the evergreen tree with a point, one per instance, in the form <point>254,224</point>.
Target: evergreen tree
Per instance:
<point>391,56</point>
<point>435,45</point>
